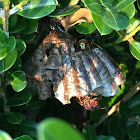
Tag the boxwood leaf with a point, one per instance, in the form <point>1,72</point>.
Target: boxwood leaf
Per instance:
<point>4,135</point>
<point>115,20</point>
<point>61,11</point>
<point>95,6</point>
<point>85,27</point>
<point>35,103</point>
<point>38,8</point>
<point>24,137</point>
<point>14,117</point>
<point>20,46</point>
<point>56,129</point>
<point>31,27</point>
<point>123,4</point>
<point>12,21</point>
<point>7,47</point>
<point>3,37</point>
<point>101,26</point>
<point>134,48</point>
<point>106,4</point>
<point>19,81</point>
<point>134,104</point>
<point>102,137</point>
<point>133,131</point>
<point>116,128</point>
<point>28,127</point>
<point>89,132</point>
<point>20,25</point>
<point>27,37</point>
<point>20,98</point>
<point>129,11</point>
<point>8,61</point>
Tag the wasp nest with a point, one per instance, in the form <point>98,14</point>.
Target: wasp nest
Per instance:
<point>74,74</point>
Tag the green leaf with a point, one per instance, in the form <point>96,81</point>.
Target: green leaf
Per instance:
<point>3,37</point>
<point>4,135</point>
<point>12,21</point>
<point>14,117</point>
<point>134,48</point>
<point>134,104</point>
<point>106,4</point>
<point>19,81</point>
<point>95,6</point>
<point>20,25</point>
<point>133,131</point>
<point>35,103</point>
<point>115,20</point>
<point>24,137</point>
<point>8,61</point>
<point>20,46</point>
<point>129,11</point>
<point>7,47</point>
<point>31,27</point>
<point>123,4</point>
<point>28,127</point>
<point>60,11</point>
<point>101,26</point>
<point>116,128</point>
<point>89,132</point>
<point>85,28</point>
<point>38,8</point>
<point>20,98</point>
<point>102,137</point>
<point>133,23</point>
<point>56,129</point>
<point>27,37</point>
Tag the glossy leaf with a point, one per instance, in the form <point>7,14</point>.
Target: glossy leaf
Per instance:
<point>133,23</point>
<point>135,49</point>
<point>4,135</point>
<point>107,4</point>
<point>28,127</point>
<point>123,4</point>
<point>20,25</point>
<point>85,28</point>
<point>37,9</point>
<point>3,37</point>
<point>116,128</point>
<point>7,47</point>
<point>56,129</point>
<point>24,137</point>
<point>89,132</point>
<point>14,117</point>
<point>115,20</point>
<point>27,37</point>
<point>129,11</point>
<point>8,61</point>
<point>102,137</point>
<point>31,27</point>
<point>12,21</point>
<point>134,104</point>
<point>20,98</point>
<point>64,11</point>
<point>101,26</point>
<point>20,46</point>
<point>133,131</point>
<point>95,6</point>
<point>19,81</point>
<point>35,103</point>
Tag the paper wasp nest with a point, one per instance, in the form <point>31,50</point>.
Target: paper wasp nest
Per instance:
<point>80,74</point>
